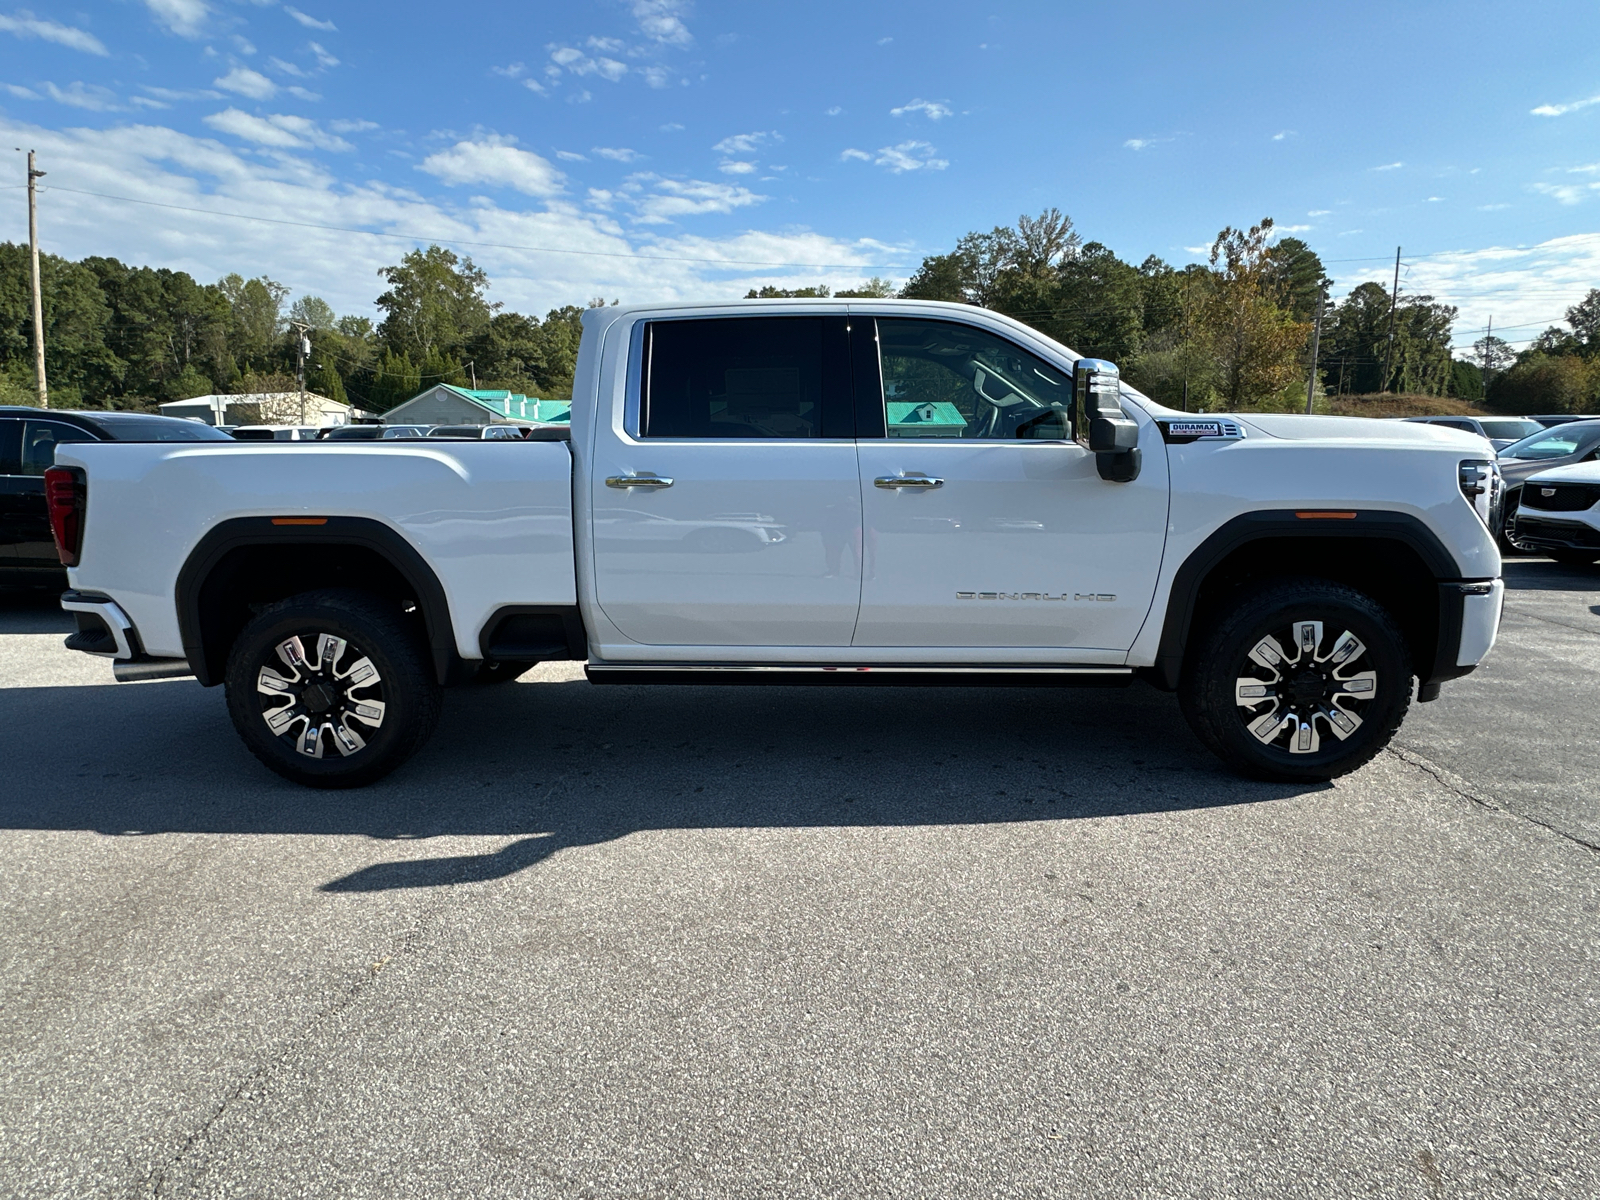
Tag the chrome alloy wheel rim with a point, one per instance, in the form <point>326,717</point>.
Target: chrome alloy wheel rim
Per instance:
<point>328,699</point>
<point>1299,686</point>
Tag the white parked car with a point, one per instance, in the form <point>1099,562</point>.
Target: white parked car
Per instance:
<point>1499,431</point>
<point>1560,513</point>
<point>1014,515</point>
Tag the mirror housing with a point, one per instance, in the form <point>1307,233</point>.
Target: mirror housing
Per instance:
<point>1099,424</point>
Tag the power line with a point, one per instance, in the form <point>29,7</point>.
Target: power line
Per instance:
<point>418,237</point>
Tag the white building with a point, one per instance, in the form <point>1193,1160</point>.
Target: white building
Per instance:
<point>446,404</point>
<point>264,408</point>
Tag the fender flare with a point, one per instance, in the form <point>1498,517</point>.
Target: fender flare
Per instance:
<point>364,532</point>
<point>1403,528</point>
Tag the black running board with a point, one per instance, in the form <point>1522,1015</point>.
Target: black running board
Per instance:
<point>792,675</point>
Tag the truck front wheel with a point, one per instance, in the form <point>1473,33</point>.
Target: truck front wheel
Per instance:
<point>1298,680</point>
<point>331,689</point>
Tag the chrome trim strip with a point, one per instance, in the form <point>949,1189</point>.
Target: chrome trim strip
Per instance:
<point>890,669</point>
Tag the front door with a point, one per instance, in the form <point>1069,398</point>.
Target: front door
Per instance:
<point>985,524</point>
<point>732,515</point>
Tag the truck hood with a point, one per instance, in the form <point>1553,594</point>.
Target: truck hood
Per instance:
<point>1296,427</point>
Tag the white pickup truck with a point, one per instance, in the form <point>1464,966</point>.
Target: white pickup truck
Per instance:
<point>862,492</point>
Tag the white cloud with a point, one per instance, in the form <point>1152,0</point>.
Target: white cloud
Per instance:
<point>834,111</point>
<point>25,25</point>
<point>498,161</point>
<point>1434,200</point>
<point>1284,135</point>
<point>147,102</point>
<point>278,130</point>
<point>1320,212</point>
<point>20,92</point>
<point>243,44</point>
<point>84,95</point>
<point>606,45</point>
<point>662,21</point>
<point>246,82</point>
<point>745,143</point>
<point>1206,249</point>
<point>571,156</point>
<point>619,154</point>
<point>909,156</point>
<point>934,110</point>
<point>164,166</point>
<point>672,127</point>
<point>1350,232</point>
<point>884,41</point>
<point>657,76</point>
<point>692,197</point>
<point>579,63</point>
<point>1136,143</point>
<point>345,125</point>
<point>1492,207</point>
<point>862,155</point>
<point>737,167</point>
<point>286,68</point>
<point>303,93</point>
<point>533,85</point>
<point>310,22</point>
<point>324,59</point>
<point>1568,193</point>
<point>1291,228</point>
<point>1561,110</point>
<point>1394,166</point>
<point>186,18</point>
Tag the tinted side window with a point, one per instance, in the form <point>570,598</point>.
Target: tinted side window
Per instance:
<point>39,439</point>
<point>943,379</point>
<point>746,377</point>
<point>10,445</point>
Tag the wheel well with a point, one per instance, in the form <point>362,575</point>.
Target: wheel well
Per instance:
<point>1389,571</point>
<point>248,578</point>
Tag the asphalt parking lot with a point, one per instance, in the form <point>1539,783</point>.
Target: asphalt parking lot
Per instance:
<point>618,942</point>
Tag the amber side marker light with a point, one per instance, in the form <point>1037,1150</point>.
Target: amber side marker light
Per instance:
<point>1326,516</point>
<point>324,520</point>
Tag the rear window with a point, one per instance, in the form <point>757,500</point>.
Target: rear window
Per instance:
<point>136,427</point>
<point>1554,443</point>
<point>1510,429</point>
<point>747,377</point>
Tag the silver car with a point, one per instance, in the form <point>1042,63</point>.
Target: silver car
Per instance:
<point>1573,442</point>
<point>1501,431</point>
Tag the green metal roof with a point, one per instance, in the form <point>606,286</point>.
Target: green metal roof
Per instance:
<point>514,405</point>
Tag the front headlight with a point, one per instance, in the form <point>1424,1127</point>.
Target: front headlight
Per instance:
<point>1484,488</point>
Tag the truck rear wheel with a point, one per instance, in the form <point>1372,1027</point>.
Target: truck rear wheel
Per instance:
<point>331,689</point>
<point>1298,680</point>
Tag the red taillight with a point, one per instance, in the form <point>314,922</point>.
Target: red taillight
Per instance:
<point>64,496</point>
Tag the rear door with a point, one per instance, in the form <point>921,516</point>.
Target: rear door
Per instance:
<point>731,514</point>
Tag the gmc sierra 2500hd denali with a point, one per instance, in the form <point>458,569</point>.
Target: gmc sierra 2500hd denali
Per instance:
<point>830,492</point>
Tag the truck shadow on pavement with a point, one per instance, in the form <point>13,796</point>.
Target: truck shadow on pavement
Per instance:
<point>1543,575</point>
<point>564,764</point>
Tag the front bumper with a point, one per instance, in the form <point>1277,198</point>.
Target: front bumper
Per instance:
<point>1552,533</point>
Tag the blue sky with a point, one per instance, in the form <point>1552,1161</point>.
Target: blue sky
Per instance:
<point>741,144</point>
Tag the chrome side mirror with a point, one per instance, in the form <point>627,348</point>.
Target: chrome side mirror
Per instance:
<point>1099,423</point>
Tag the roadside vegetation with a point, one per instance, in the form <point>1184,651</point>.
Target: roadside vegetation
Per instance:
<point>1233,333</point>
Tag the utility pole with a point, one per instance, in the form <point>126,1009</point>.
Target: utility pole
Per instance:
<point>302,348</point>
<point>38,302</point>
<point>1394,301</point>
<point>472,369</point>
<point>1488,355</point>
<point>1316,348</point>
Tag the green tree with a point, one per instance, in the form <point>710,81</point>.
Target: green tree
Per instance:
<point>1584,317</point>
<point>312,311</point>
<point>941,277</point>
<point>868,289</point>
<point>1543,383</point>
<point>435,303</point>
<point>395,379</point>
<point>79,366</point>
<point>1256,343</point>
<point>1466,382</point>
<point>1295,274</point>
<point>820,291</point>
<point>257,306</point>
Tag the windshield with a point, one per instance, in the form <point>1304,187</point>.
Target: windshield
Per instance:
<point>1555,443</point>
<point>1510,428</point>
<point>132,427</point>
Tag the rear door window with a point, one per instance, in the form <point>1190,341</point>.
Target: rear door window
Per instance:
<point>39,441</point>
<point>747,377</point>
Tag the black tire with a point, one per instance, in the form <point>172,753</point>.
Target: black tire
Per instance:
<point>1323,695</point>
<point>1508,526</point>
<point>369,724</point>
<point>1574,558</point>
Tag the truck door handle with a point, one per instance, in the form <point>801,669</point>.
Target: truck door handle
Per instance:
<point>633,481</point>
<point>910,481</point>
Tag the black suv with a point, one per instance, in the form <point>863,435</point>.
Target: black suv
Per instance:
<point>28,440</point>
